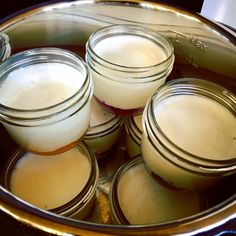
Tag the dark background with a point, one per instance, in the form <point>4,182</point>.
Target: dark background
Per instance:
<point>11,6</point>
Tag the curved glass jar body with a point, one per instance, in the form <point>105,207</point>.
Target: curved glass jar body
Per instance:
<point>5,48</point>
<point>104,130</point>
<point>123,80</point>
<point>52,127</point>
<point>133,127</point>
<point>184,166</point>
<point>160,203</point>
<point>69,192</point>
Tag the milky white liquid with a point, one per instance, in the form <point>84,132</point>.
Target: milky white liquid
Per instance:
<point>197,125</point>
<point>145,201</point>
<point>126,51</point>
<point>40,86</point>
<point>101,135</point>
<point>50,182</point>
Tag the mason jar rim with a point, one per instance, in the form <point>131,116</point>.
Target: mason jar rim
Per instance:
<point>82,196</point>
<point>190,86</point>
<point>7,68</point>
<point>129,29</point>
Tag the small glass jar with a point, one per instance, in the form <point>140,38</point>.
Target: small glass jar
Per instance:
<point>104,130</point>
<point>133,127</point>
<point>65,183</point>
<point>128,63</point>
<point>5,48</point>
<point>138,198</point>
<point>45,98</point>
<point>189,134</point>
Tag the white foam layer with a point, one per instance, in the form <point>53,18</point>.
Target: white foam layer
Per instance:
<point>50,182</point>
<point>145,201</point>
<point>198,125</point>
<point>40,85</point>
<point>130,51</point>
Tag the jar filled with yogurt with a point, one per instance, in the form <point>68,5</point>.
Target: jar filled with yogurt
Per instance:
<point>64,183</point>
<point>104,130</point>
<point>189,133</point>
<point>133,127</point>
<point>5,48</point>
<point>138,198</point>
<point>128,63</point>
<point>45,98</point>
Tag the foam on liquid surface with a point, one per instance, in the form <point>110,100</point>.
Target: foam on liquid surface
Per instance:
<point>145,201</point>
<point>198,125</point>
<point>130,50</point>
<point>40,85</point>
<point>50,182</point>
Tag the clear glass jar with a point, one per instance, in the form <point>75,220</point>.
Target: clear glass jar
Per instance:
<point>139,198</point>
<point>65,183</point>
<point>104,130</point>
<point>45,98</point>
<point>189,134</point>
<point>128,63</point>
<point>133,127</point>
<point>5,48</point>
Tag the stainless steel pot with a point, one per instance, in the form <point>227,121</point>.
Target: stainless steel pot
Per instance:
<point>203,49</point>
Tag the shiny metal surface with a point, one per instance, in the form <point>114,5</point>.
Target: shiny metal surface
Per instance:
<point>202,49</point>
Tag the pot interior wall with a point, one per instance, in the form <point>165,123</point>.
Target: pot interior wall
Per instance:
<point>202,50</point>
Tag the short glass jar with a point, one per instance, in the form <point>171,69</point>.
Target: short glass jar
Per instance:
<point>104,130</point>
<point>45,98</point>
<point>139,198</point>
<point>189,136</point>
<point>64,184</point>
<point>128,63</point>
<point>5,48</point>
<point>133,127</point>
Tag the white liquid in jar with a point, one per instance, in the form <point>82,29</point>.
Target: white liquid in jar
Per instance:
<point>198,125</point>
<point>50,182</point>
<point>130,50</point>
<point>113,87</point>
<point>104,129</point>
<point>99,115</point>
<point>145,201</point>
<point>40,85</point>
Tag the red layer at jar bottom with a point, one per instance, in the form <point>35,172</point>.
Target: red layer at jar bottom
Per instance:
<point>118,111</point>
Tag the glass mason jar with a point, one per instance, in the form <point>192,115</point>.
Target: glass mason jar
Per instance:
<point>104,130</point>
<point>128,63</point>
<point>45,98</point>
<point>139,198</point>
<point>5,48</point>
<point>64,183</point>
<point>189,134</point>
<point>133,127</point>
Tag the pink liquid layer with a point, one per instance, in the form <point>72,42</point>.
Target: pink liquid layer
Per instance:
<point>118,111</point>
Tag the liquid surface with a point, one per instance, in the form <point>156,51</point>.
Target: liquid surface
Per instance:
<point>130,50</point>
<point>144,201</point>
<point>198,125</point>
<point>50,182</point>
<point>98,114</point>
<point>40,85</point>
